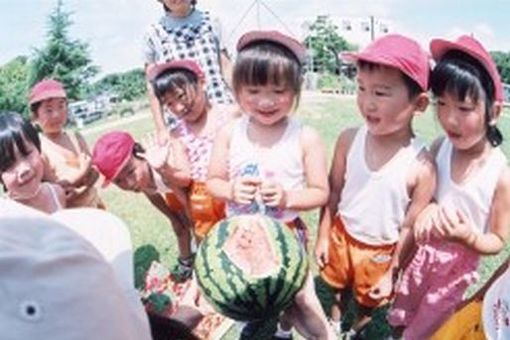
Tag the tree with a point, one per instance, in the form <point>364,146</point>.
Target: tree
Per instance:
<point>63,58</point>
<point>14,86</point>
<point>325,45</point>
<point>127,86</point>
<point>502,61</point>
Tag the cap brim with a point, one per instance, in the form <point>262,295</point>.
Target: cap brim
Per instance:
<point>47,95</point>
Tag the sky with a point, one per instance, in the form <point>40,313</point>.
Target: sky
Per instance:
<point>114,28</point>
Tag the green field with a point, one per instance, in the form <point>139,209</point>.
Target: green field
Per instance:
<point>329,114</point>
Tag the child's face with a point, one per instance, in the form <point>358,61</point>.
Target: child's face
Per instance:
<point>462,120</point>
<point>383,100</point>
<point>23,178</point>
<point>267,104</point>
<point>134,176</point>
<point>187,104</point>
<point>51,115</point>
<point>178,7</point>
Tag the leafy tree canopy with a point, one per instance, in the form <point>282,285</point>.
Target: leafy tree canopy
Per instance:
<point>14,86</point>
<point>62,58</point>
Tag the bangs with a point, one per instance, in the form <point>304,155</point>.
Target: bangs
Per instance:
<point>267,64</point>
<point>462,78</point>
<point>15,132</point>
<point>173,80</point>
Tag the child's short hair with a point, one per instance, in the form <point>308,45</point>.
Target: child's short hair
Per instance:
<point>193,4</point>
<point>173,75</point>
<point>465,69</point>
<point>413,88</point>
<point>268,57</point>
<point>400,52</point>
<point>15,131</point>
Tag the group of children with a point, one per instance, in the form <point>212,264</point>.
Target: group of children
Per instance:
<point>400,223</point>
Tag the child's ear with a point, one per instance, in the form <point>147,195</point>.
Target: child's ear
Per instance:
<point>421,102</point>
<point>497,108</point>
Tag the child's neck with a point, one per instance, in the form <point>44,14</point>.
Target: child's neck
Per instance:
<point>54,136</point>
<point>40,200</point>
<point>266,135</point>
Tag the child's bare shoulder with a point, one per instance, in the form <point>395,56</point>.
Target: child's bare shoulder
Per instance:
<point>345,139</point>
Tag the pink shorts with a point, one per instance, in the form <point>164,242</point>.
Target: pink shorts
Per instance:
<point>432,286</point>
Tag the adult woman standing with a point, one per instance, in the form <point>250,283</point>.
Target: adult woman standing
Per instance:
<point>184,32</point>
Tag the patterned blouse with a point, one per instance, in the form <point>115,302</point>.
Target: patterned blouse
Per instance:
<point>192,37</point>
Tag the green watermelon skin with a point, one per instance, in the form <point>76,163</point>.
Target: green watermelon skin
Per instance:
<point>239,296</point>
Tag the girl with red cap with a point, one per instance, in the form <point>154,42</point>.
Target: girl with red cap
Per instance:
<point>21,166</point>
<point>471,213</point>
<point>66,155</point>
<point>179,86</point>
<point>185,32</point>
<point>267,161</point>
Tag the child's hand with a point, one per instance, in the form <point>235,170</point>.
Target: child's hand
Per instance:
<point>244,189</point>
<point>156,154</point>
<point>272,194</point>
<point>85,161</point>
<point>426,222</point>
<point>322,251</point>
<point>454,225</point>
<point>383,288</point>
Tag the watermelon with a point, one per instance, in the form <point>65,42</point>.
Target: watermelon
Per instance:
<point>250,267</point>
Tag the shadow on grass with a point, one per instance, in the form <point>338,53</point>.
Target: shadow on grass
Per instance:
<point>143,257</point>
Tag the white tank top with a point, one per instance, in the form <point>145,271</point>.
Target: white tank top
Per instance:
<point>282,162</point>
<point>474,195</point>
<point>373,204</point>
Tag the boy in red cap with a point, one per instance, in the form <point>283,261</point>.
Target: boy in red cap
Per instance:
<point>470,215</point>
<point>381,177</point>
<point>66,156</point>
<point>160,173</point>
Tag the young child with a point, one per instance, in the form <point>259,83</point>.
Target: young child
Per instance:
<point>381,177</point>
<point>471,216</point>
<point>179,87</point>
<point>21,166</point>
<point>267,161</point>
<point>66,156</point>
<point>186,32</point>
<point>160,173</point>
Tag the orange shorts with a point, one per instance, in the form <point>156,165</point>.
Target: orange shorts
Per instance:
<point>205,211</point>
<point>355,264</point>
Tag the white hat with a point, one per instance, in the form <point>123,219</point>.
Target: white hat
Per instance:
<point>56,285</point>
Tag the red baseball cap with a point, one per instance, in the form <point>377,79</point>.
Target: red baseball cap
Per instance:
<point>156,69</point>
<point>472,47</point>
<point>275,37</point>
<point>397,51</point>
<point>45,89</point>
<point>111,153</point>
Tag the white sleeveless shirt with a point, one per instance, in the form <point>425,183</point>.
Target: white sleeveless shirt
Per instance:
<point>282,162</point>
<point>373,204</point>
<point>474,195</point>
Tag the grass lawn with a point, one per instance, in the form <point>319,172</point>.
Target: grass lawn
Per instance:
<point>329,114</point>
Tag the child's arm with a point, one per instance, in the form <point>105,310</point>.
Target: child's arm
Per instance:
<point>455,225</point>
<point>218,182</point>
<point>422,185</point>
<point>315,193</point>
<point>336,183</point>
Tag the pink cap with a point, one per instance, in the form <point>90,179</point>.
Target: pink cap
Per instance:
<point>397,51</point>
<point>156,69</point>
<point>111,153</point>
<point>276,37</point>
<point>472,47</point>
<point>45,89</point>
